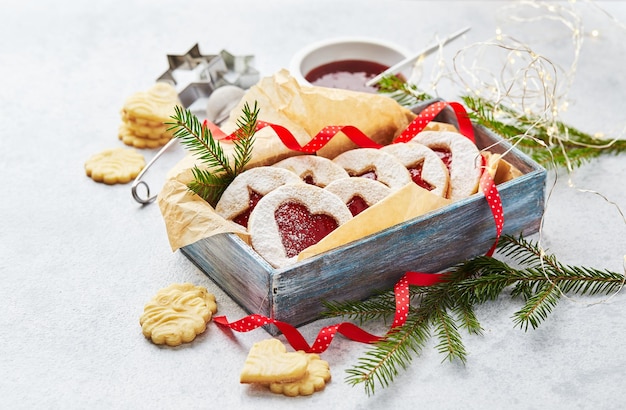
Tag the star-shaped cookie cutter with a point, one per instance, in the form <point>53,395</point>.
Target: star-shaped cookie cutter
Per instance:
<point>196,76</point>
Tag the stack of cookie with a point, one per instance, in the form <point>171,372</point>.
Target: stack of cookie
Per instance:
<point>144,114</point>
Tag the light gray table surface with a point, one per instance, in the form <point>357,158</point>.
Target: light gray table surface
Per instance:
<point>79,259</point>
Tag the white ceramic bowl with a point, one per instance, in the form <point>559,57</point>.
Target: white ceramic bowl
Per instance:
<point>344,48</point>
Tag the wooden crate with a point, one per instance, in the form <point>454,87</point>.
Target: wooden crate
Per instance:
<point>429,243</point>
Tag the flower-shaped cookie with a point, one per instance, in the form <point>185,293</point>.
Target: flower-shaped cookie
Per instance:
<point>315,379</point>
<point>289,373</point>
<point>177,314</point>
<point>115,166</point>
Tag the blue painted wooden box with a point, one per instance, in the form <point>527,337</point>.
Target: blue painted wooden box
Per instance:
<point>429,243</point>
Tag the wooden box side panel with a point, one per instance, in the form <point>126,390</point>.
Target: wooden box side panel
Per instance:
<point>429,244</point>
<point>235,268</point>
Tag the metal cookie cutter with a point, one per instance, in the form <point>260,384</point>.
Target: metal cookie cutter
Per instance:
<point>219,80</point>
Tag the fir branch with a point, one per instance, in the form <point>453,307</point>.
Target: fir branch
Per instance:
<point>444,308</point>
<point>379,365</point>
<point>199,140</point>
<point>551,144</point>
<point>211,182</point>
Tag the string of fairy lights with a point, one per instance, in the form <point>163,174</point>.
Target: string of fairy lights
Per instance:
<point>508,72</point>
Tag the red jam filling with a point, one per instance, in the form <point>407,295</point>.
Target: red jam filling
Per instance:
<point>445,155</point>
<point>242,218</point>
<point>356,205</point>
<point>309,180</point>
<point>300,229</point>
<point>416,176</point>
<point>367,174</point>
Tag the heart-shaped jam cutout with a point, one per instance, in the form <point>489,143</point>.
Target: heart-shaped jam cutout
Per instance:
<point>416,175</point>
<point>242,218</point>
<point>356,205</point>
<point>299,228</point>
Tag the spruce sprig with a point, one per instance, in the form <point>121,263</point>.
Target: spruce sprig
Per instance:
<point>441,310</point>
<point>551,144</point>
<point>209,183</point>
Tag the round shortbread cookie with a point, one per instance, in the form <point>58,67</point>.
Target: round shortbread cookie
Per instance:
<point>154,105</point>
<point>130,139</point>
<point>115,166</point>
<point>291,218</point>
<point>242,195</point>
<point>375,164</point>
<point>426,168</point>
<point>463,162</point>
<point>177,314</point>
<point>313,170</point>
<point>358,193</point>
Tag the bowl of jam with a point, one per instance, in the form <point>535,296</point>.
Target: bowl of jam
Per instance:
<point>346,63</point>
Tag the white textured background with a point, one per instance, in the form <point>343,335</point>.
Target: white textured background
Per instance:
<point>78,259</point>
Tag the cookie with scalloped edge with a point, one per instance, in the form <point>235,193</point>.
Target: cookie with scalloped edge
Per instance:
<point>315,379</point>
<point>153,106</point>
<point>177,314</point>
<point>115,166</point>
<point>129,138</point>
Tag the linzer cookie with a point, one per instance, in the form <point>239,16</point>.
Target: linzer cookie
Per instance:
<point>358,193</point>
<point>313,170</point>
<point>177,314</point>
<point>242,195</point>
<point>460,156</point>
<point>374,164</point>
<point>426,168</point>
<point>291,218</point>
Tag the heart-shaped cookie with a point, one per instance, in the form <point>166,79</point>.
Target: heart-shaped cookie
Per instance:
<point>292,218</point>
<point>269,362</point>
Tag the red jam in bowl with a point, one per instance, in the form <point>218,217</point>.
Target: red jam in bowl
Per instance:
<point>346,74</point>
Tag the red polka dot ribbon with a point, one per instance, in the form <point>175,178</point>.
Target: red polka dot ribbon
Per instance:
<point>349,330</point>
<point>354,134</point>
<point>401,289</point>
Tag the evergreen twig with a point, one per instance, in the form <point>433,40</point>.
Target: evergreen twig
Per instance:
<point>551,144</point>
<point>444,308</point>
<point>209,183</point>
